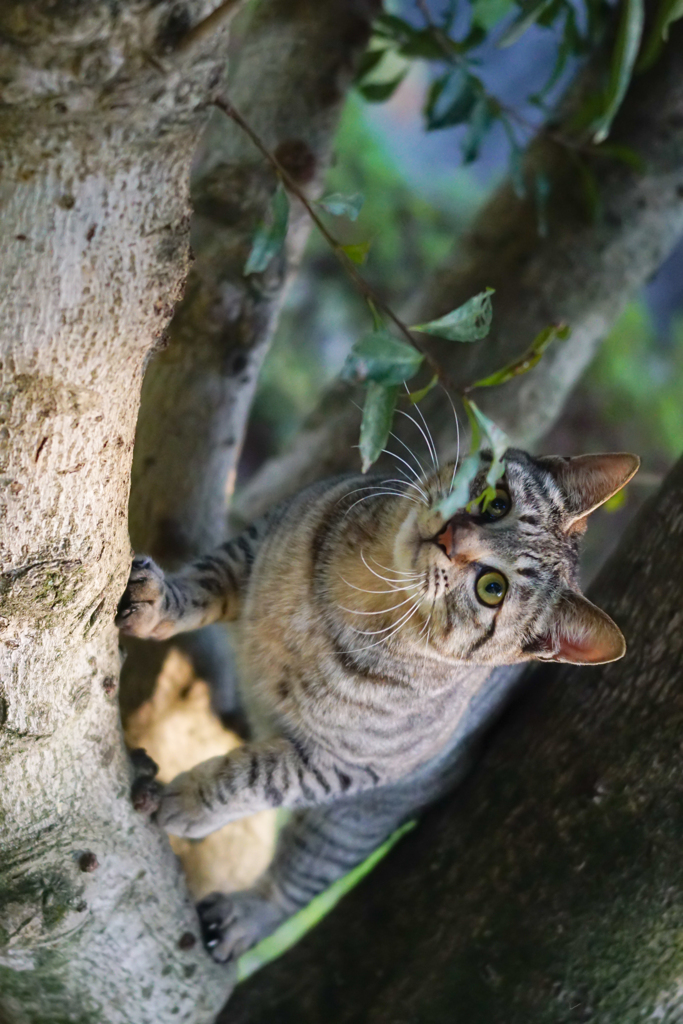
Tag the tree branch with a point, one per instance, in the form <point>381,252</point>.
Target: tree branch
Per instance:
<point>294,65</point>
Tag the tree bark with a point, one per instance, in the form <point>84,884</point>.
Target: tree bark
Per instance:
<point>291,74</point>
<point>549,888</point>
<point>102,106</point>
<point>581,271</point>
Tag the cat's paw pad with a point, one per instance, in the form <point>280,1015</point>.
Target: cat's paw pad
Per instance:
<point>141,609</point>
<point>232,924</point>
<point>183,811</point>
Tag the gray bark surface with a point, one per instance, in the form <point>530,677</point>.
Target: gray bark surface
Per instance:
<point>583,272</point>
<point>102,108</point>
<point>549,888</point>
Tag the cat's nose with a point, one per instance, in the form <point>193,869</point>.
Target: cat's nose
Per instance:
<point>458,537</point>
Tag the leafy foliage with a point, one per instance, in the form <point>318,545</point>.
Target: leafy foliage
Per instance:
<point>382,358</point>
<point>528,359</point>
<point>468,322</point>
<point>451,45</point>
<point>342,206</point>
<point>378,414</point>
<point>270,234</point>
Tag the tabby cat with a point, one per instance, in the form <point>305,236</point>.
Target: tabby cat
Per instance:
<point>369,631</point>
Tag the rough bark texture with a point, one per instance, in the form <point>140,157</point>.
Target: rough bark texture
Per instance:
<point>549,890</point>
<point>290,75</point>
<point>582,272</point>
<point>101,114</point>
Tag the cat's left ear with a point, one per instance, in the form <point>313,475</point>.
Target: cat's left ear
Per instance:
<point>580,633</point>
<point>588,481</point>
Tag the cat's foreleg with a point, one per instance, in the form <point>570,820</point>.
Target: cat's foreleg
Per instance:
<point>315,848</point>
<point>257,776</point>
<point>157,606</point>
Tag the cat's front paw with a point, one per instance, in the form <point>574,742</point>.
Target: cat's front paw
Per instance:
<point>232,924</point>
<point>141,610</point>
<point>186,807</point>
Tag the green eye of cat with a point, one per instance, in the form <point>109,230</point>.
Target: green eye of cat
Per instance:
<point>498,506</point>
<point>491,588</point>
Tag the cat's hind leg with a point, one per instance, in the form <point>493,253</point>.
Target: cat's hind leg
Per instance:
<point>315,848</point>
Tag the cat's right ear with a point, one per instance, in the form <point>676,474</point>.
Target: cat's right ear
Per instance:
<point>579,634</point>
<point>588,481</point>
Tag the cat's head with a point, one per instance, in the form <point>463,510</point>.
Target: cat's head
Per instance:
<point>501,586</point>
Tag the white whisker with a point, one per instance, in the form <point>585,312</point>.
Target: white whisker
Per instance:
<point>376,632</point>
<point>377,574</point>
<point>413,420</point>
<point>382,611</point>
<point>390,590</point>
<point>457,441</point>
<point>406,483</point>
<point>378,494</point>
<point>398,572</point>
<point>418,476</point>
<point>418,460</point>
<point>384,639</point>
<point>432,446</point>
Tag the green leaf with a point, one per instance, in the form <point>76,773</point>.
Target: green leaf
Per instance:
<point>542,190</point>
<point>499,443</point>
<point>417,396</point>
<point>484,113</point>
<point>616,502</point>
<point>450,100</point>
<point>270,234</point>
<point>393,27</point>
<point>528,359</point>
<point>629,34</point>
<point>381,357</point>
<point>624,154</point>
<point>528,15</point>
<point>378,413</point>
<point>426,43</point>
<point>468,322</point>
<point>459,495</point>
<point>378,92</point>
<point>342,206</point>
<point>487,13</point>
<point>668,12</point>
<point>357,252</point>
<point>516,161</point>
<point>369,61</point>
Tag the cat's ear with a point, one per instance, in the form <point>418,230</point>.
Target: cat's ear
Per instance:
<point>588,481</point>
<point>580,634</point>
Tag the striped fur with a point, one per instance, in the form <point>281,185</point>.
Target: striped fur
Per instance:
<point>364,653</point>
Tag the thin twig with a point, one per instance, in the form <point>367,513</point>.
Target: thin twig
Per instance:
<point>368,293</point>
<point>207,26</point>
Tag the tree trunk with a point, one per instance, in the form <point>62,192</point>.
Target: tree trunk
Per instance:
<point>549,888</point>
<point>292,72</point>
<point>583,271</point>
<point>102,105</point>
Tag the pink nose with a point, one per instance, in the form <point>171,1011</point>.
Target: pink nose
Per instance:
<point>457,532</point>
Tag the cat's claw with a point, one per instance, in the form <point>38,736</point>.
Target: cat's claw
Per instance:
<point>141,609</point>
<point>232,924</point>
